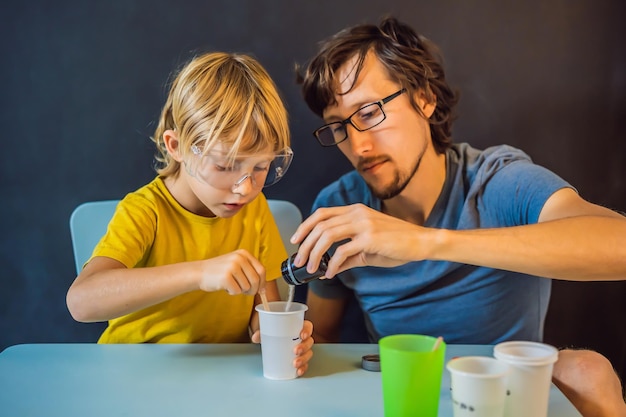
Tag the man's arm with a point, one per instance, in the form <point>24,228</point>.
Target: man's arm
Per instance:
<point>326,314</point>
<point>574,240</point>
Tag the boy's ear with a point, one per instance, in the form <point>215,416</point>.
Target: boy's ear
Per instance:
<point>170,139</point>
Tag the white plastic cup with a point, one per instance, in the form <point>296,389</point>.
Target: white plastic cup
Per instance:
<point>280,333</point>
<point>478,386</point>
<point>529,381</point>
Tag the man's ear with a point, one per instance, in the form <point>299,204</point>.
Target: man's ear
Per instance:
<point>426,104</point>
<point>429,107</point>
<point>170,139</point>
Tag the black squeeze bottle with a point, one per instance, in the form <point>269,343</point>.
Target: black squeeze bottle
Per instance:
<point>298,276</point>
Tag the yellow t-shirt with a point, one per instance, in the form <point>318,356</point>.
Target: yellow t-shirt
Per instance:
<point>149,228</point>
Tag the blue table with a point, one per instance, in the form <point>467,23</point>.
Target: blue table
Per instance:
<point>150,380</point>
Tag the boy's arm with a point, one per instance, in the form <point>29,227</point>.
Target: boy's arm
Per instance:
<point>106,289</point>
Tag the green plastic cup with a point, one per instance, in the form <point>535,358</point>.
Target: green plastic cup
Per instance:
<point>411,374</point>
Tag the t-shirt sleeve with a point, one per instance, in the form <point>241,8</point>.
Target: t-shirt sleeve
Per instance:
<point>330,288</point>
<point>130,233</point>
<point>515,193</point>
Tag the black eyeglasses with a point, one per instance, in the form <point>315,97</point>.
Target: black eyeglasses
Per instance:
<point>363,119</point>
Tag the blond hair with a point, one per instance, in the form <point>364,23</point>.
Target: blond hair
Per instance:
<point>223,98</point>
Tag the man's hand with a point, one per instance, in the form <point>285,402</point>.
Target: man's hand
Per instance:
<point>371,239</point>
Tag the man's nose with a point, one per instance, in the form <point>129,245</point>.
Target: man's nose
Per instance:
<point>360,142</point>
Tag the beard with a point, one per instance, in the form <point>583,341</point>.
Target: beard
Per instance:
<point>398,182</point>
<point>397,185</point>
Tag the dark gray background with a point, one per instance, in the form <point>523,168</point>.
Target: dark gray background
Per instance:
<point>83,83</point>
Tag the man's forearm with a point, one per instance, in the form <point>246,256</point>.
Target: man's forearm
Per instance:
<point>585,248</point>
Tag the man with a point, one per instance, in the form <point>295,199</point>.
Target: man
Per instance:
<point>434,237</point>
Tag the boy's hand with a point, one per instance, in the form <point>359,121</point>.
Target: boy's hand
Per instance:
<point>304,351</point>
<point>237,272</point>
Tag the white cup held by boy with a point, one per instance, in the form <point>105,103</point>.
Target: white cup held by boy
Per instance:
<point>478,386</point>
<point>280,334</point>
<point>530,376</point>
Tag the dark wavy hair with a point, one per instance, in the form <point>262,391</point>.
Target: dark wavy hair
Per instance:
<point>409,58</point>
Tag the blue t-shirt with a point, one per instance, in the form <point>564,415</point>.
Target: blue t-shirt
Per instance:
<point>497,187</point>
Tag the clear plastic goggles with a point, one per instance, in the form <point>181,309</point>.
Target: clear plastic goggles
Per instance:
<point>218,170</point>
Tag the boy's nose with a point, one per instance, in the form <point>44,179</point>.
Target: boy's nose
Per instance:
<point>242,186</point>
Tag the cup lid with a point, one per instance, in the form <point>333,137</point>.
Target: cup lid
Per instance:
<point>526,353</point>
<point>371,362</point>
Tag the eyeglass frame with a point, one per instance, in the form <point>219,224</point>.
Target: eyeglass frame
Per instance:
<point>348,120</point>
<point>286,153</point>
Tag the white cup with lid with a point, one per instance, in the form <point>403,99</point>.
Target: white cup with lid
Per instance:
<point>530,376</point>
